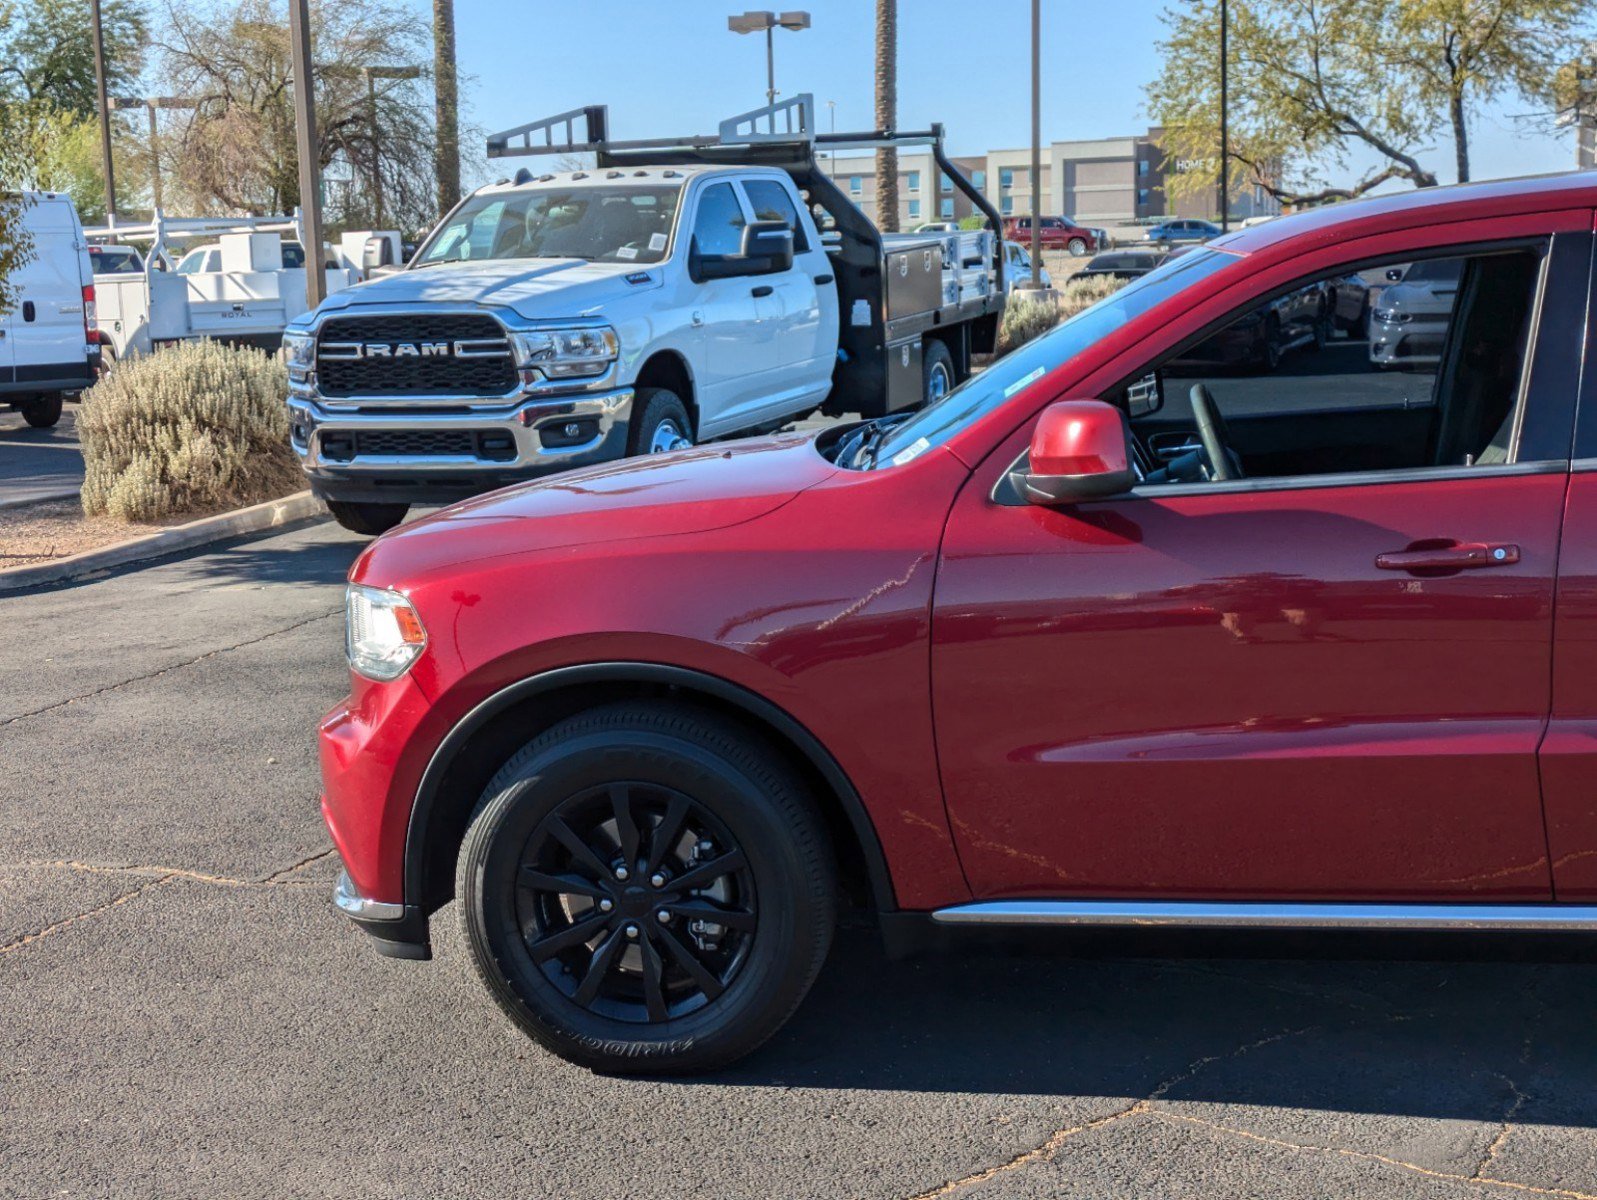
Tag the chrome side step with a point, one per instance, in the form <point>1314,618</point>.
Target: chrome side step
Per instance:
<point>1244,914</point>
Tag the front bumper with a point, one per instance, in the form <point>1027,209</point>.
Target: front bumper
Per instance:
<point>396,930</point>
<point>385,453</point>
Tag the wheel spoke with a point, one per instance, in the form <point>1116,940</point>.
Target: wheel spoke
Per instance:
<point>666,833</point>
<point>626,827</point>
<point>653,981</point>
<point>702,909</point>
<point>603,958</point>
<point>565,883</point>
<point>579,931</point>
<point>707,873</point>
<point>580,850</point>
<point>701,975</point>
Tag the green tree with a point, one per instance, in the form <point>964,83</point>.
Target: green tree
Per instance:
<point>48,49</point>
<point>1312,81</point>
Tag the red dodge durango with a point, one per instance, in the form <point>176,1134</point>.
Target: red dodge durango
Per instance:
<point>1113,633</point>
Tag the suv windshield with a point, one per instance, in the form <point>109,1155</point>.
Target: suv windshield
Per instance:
<point>600,224</point>
<point>1012,374</point>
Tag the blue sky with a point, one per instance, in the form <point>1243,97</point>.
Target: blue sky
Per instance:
<point>667,67</point>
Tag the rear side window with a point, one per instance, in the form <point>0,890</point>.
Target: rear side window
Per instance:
<point>770,202</point>
<point>718,228</point>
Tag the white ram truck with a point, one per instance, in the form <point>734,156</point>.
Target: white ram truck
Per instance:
<point>679,291</point>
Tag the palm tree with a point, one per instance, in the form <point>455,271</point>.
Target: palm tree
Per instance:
<point>447,104</point>
<point>887,113</point>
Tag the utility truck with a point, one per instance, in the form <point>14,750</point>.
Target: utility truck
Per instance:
<point>242,286</point>
<point>679,291</point>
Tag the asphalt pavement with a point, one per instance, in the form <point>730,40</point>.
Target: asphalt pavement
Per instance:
<point>183,1013</point>
<point>39,464</point>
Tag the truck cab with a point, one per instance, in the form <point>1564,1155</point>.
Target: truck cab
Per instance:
<point>673,294</point>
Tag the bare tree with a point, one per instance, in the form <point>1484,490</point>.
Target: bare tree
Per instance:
<point>446,92</point>
<point>887,113</point>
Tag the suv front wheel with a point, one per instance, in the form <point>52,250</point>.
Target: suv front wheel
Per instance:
<point>647,888</point>
<point>369,519</point>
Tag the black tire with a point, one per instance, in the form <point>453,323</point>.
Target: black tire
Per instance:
<point>44,412</point>
<point>107,361</point>
<point>654,411</point>
<point>369,519</point>
<point>739,796</point>
<point>937,367</point>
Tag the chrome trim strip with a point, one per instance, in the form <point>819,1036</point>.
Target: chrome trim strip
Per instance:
<point>1251,914</point>
<point>352,904</point>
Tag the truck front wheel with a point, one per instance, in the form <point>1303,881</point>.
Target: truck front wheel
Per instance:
<point>937,368</point>
<point>368,519</point>
<point>659,423</point>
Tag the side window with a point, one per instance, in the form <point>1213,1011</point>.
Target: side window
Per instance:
<point>1395,366</point>
<point>718,227</point>
<point>770,202</point>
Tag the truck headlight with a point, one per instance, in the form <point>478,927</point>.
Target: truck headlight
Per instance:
<point>1390,316</point>
<point>567,353</point>
<point>299,349</point>
<point>383,634</point>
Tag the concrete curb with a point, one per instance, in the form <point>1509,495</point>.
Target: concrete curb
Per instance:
<point>255,519</point>
<point>70,493</point>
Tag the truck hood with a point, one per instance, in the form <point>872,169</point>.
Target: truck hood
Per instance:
<point>688,491</point>
<point>533,287</point>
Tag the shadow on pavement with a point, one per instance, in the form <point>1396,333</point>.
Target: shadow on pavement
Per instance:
<point>1406,1038</point>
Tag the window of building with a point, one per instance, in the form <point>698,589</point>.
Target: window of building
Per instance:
<point>1007,205</point>
<point>979,179</point>
<point>944,183</point>
<point>1142,195</point>
<point>1006,177</point>
<point>1142,166</point>
<point>718,229</point>
<point>912,180</point>
<point>946,208</point>
<point>855,185</point>
<point>914,210</point>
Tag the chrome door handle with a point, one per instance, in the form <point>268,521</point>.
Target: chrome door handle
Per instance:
<point>1461,556</point>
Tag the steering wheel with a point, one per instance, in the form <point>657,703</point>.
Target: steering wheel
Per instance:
<point>1223,465</point>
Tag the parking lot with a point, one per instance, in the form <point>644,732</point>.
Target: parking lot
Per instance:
<point>182,1012</point>
<point>37,464</point>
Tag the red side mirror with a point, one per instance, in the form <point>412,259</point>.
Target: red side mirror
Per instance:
<point>1079,451</point>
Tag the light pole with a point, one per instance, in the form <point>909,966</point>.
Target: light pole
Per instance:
<point>150,104</point>
<point>831,113</point>
<point>1225,130</point>
<point>310,191</point>
<point>105,112</point>
<point>370,75</point>
<point>766,22</point>
<point>1036,144</point>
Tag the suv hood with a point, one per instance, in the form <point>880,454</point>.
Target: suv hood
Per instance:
<point>533,287</point>
<point>688,491</point>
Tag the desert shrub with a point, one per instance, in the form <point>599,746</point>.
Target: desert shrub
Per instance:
<point>1026,317</point>
<point>190,429</point>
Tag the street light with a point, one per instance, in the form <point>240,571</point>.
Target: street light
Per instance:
<point>310,175</point>
<point>150,104</point>
<point>766,22</point>
<point>105,112</point>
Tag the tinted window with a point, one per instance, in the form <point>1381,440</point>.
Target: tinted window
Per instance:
<point>718,229</point>
<point>770,202</point>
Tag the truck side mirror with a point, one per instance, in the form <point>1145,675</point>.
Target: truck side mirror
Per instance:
<point>768,246</point>
<point>1080,450</point>
<point>377,252</point>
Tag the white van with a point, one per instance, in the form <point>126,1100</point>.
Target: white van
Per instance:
<point>48,340</point>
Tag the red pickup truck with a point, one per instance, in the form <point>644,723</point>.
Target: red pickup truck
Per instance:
<point>1056,233</point>
<point>1114,633</point>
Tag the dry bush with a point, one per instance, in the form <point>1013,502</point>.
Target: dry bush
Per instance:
<point>194,428</point>
<point>1026,317</point>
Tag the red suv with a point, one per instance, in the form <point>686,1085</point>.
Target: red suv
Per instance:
<point>1114,633</point>
<point>1057,233</point>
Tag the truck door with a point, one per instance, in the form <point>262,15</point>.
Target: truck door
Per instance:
<point>46,323</point>
<point>805,307</point>
<point>738,366</point>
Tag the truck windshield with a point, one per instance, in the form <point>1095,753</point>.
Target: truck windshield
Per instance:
<point>1012,374</point>
<point>599,224</point>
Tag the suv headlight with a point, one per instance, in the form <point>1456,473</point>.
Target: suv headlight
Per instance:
<point>383,634</point>
<point>1390,316</point>
<point>567,353</point>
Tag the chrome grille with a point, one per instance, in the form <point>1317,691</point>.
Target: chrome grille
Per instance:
<point>478,362</point>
